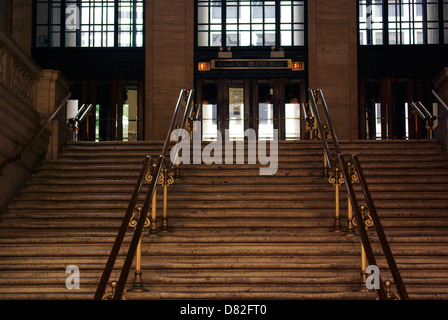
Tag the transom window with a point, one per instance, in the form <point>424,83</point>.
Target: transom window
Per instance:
<point>250,23</point>
<point>403,22</point>
<point>89,23</point>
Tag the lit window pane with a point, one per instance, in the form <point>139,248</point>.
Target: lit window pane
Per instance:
<point>252,23</point>
<point>409,22</point>
<point>97,23</point>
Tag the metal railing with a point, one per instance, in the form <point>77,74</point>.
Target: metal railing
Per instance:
<point>342,172</point>
<point>74,123</point>
<point>42,128</point>
<point>163,163</point>
<point>420,110</point>
<point>439,98</point>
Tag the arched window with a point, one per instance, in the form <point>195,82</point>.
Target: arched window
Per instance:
<point>247,23</point>
<point>89,23</point>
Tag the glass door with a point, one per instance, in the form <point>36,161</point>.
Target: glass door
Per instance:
<point>236,111</point>
<point>264,105</point>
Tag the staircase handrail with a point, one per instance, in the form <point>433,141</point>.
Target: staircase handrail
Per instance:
<point>378,228</point>
<point>420,109</point>
<point>162,161</point>
<point>316,114</point>
<point>42,128</point>
<point>439,98</point>
<point>342,165</point>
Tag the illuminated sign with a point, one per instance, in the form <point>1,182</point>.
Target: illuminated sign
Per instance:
<point>298,66</point>
<point>204,66</point>
<point>251,64</point>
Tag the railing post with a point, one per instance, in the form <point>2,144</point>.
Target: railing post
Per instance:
<point>336,178</point>
<point>153,228</point>
<point>430,125</point>
<point>110,295</point>
<point>149,177</point>
<point>368,222</point>
<point>167,180</point>
<point>353,177</point>
<point>137,286</point>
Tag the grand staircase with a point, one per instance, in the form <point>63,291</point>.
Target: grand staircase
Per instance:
<point>233,234</point>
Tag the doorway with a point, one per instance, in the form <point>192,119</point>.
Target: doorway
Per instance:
<point>261,104</point>
<point>117,111</point>
<point>385,108</point>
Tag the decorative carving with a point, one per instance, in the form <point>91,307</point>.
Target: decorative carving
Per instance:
<point>18,72</point>
<point>2,65</point>
<point>23,83</point>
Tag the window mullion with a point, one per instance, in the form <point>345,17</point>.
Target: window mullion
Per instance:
<point>116,29</point>
<point>223,23</point>
<point>425,21</point>
<point>62,24</point>
<point>277,23</point>
<point>441,23</point>
<point>385,22</point>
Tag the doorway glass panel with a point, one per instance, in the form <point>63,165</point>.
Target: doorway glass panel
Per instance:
<point>130,116</point>
<point>292,120</point>
<point>292,110</point>
<point>209,121</point>
<point>236,113</point>
<point>266,121</point>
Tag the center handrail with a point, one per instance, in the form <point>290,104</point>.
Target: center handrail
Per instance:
<point>161,162</point>
<point>379,229</point>
<point>316,114</point>
<point>342,165</point>
<point>419,110</point>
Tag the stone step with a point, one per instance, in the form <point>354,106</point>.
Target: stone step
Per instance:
<point>231,196</point>
<point>184,187</point>
<point>263,180</point>
<point>233,233</point>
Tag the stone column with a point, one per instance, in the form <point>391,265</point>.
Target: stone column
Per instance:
<point>169,61</point>
<point>332,50</point>
<point>52,87</point>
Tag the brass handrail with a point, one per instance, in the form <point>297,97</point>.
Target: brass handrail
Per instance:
<point>418,110</point>
<point>360,223</point>
<point>341,164</point>
<point>73,123</point>
<point>316,114</point>
<point>329,122</point>
<point>439,98</point>
<point>162,161</point>
<point>122,231</point>
<point>84,114</point>
<point>379,229</point>
<point>35,136</point>
<point>425,115</point>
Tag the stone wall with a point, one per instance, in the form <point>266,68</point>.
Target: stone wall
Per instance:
<point>169,61</point>
<point>332,43</point>
<point>28,95</point>
<point>332,51</point>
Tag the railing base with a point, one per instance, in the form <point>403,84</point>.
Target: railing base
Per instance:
<point>137,286</point>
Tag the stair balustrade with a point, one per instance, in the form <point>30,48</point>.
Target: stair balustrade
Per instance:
<point>439,98</point>
<point>340,172</point>
<point>30,143</point>
<point>156,172</point>
<point>74,123</point>
<point>420,110</point>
